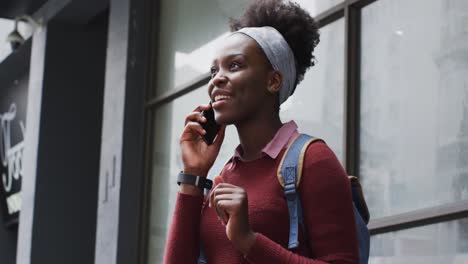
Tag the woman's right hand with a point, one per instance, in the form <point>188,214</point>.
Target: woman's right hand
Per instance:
<point>197,156</point>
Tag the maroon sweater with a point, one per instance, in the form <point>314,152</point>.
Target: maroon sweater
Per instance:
<point>327,208</point>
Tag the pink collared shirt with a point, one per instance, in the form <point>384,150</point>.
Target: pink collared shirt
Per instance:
<point>281,139</point>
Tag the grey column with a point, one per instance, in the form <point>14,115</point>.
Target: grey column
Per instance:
<point>31,142</point>
<point>121,210</point>
<point>112,133</point>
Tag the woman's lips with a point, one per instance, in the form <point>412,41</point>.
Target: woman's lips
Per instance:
<point>220,103</point>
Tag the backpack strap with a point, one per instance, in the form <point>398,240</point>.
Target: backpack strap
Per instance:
<point>358,198</point>
<point>289,176</point>
<point>299,157</point>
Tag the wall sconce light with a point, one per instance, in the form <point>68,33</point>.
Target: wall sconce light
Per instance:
<point>14,38</point>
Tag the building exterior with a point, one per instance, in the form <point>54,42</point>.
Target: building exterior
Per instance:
<point>93,102</point>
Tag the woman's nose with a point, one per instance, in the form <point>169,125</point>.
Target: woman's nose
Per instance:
<point>219,80</point>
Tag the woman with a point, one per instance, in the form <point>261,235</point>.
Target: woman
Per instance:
<point>245,218</point>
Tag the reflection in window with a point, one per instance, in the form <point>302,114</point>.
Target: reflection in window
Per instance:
<point>191,30</point>
<point>438,243</point>
<point>414,104</point>
<point>189,33</point>
<point>317,105</point>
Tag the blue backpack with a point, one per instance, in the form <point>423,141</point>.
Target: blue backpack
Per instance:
<point>289,176</point>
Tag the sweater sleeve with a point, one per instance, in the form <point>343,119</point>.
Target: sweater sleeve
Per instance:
<point>328,215</point>
<point>184,234</point>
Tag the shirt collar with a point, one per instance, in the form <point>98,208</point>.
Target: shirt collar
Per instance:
<point>279,141</point>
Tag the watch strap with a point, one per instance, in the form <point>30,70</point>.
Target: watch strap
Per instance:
<point>200,182</point>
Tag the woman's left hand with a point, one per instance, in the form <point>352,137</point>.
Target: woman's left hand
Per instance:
<point>231,205</point>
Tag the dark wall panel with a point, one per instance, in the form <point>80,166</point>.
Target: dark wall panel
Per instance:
<point>64,225</point>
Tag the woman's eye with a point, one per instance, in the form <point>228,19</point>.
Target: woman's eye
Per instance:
<point>213,71</point>
<point>234,66</point>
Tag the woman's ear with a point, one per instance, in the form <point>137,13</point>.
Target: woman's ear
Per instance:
<point>274,82</point>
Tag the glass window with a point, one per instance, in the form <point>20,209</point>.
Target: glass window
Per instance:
<point>167,162</point>
<point>189,32</point>
<point>316,7</point>
<point>414,104</point>
<point>438,243</point>
<point>317,105</point>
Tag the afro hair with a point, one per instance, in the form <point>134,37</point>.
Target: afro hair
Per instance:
<point>296,25</point>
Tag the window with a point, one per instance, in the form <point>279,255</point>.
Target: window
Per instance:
<point>190,31</point>
<point>317,105</point>
<point>414,104</point>
<point>185,50</point>
<point>412,111</point>
<point>438,243</point>
<point>318,6</point>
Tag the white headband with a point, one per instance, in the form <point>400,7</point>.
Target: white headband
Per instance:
<point>278,53</point>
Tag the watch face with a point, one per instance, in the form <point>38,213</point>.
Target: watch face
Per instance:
<point>208,184</point>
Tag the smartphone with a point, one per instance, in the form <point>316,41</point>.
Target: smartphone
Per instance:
<point>210,126</point>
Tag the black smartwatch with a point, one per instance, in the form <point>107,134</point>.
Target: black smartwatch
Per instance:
<point>200,182</point>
